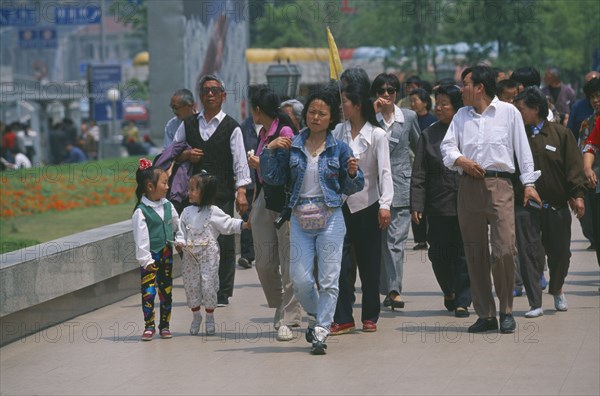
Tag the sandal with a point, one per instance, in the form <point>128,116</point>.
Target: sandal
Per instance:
<point>148,334</point>
<point>395,300</point>
<point>461,312</point>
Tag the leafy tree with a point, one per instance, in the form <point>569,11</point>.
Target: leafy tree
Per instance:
<point>538,33</point>
<point>139,90</point>
<point>573,32</point>
<point>132,14</point>
<point>290,23</point>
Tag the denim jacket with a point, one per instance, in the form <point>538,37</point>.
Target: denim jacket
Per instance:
<point>278,165</point>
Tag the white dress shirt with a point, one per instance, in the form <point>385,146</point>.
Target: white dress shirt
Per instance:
<point>372,149</point>
<point>236,143</point>
<point>492,139</point>
<point>141,236</point>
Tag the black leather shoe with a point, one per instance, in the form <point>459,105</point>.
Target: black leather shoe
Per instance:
<point>222,301</point>
<point>310,335</point>
<point>387,302</point>
<point>244,262</point>
<point>507,323</point>
<point>484,324</point>
<point>420,246</point>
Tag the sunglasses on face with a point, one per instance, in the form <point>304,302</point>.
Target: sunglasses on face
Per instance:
<point>389,90</point>
<point>212,90</point>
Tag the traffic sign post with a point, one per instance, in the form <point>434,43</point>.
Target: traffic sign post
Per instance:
<point>102,79</point>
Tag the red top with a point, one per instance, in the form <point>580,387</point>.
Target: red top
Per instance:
<point>592,144</point>
<point>9,140</point>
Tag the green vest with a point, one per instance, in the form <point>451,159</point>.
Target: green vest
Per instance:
<point>160,232</point>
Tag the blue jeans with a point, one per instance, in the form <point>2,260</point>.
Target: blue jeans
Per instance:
<point>327,245</point>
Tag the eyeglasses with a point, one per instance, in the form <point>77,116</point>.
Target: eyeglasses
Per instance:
<point>175,108</point>
<point>389,90</point>
<point>212,90</point>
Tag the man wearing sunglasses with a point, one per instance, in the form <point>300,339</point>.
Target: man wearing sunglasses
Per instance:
<point>218,147</point>
<point>403,132</point>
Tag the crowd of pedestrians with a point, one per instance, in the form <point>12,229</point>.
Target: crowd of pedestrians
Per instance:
<point>485,166</point>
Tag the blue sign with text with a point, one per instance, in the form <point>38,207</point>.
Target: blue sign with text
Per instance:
<point>103,78</point>
<point>70,15</point>
<point>18,16</point>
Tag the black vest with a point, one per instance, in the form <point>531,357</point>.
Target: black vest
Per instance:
<point>217,159</point>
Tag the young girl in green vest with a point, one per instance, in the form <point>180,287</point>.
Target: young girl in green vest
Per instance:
<point>200,226</point>
<point>155,221</point>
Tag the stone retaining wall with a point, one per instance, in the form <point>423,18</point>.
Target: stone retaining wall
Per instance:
<point>52,282</point>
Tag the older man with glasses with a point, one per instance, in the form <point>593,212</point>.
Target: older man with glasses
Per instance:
<point>218,147</point>
<point>182,104</point>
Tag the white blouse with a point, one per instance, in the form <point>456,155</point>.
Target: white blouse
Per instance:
<point>310,184</point>
<point>372,149</point>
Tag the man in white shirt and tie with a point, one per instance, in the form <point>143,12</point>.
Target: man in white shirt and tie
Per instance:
<point>481,143</point>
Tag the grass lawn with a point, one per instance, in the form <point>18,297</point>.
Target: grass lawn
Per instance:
<point>41,204</point>
<point>20,232</point>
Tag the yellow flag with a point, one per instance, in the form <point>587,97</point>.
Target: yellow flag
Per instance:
<point>335,64</point>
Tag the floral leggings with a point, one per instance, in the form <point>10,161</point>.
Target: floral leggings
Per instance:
<point>163,278</point>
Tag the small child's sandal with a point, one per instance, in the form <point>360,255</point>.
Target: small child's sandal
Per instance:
<point>147,335</point>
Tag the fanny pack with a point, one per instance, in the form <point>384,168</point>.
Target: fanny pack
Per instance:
<point>312,214</point>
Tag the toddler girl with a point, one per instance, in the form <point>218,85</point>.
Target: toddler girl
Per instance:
<point>200,226</point>
<point>154,223</point>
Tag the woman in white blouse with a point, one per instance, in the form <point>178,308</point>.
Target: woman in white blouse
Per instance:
<point>367,212</point>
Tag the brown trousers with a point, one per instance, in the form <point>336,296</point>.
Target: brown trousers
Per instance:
<point>482,203</point>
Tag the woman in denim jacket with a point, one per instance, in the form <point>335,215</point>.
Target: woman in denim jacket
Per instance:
<point>319,170</point>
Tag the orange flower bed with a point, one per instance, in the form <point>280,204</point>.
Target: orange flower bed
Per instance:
<point>66,187</point>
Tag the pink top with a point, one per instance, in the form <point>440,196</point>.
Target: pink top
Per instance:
<point>263,138</point>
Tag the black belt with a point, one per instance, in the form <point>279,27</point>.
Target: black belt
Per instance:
<point>506,175</point>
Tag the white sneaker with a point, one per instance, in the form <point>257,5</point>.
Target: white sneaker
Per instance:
<point>560,302</point>
<point>210,324</point>
<point>319,347</point>
<point>195,326</point>
<point>321,333</point>
<point>284,334</point>
<point>534,312</point>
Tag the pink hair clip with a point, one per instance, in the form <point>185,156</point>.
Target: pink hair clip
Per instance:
<point>145,163</point>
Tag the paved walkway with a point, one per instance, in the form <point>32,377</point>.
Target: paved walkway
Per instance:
<point>420,350</point>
